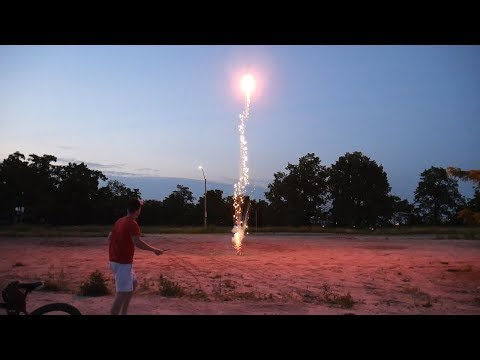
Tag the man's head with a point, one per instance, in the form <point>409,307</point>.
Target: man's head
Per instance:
<point>134,207</point>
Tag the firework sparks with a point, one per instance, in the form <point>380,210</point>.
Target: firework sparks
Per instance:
<point>240,212</point>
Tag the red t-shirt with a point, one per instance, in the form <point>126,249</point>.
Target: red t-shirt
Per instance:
<point>122,247</point>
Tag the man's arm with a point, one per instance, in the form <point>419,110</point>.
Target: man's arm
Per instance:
<point>144,246</point>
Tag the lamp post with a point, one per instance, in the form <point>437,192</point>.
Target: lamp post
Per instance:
<point>205,199</point>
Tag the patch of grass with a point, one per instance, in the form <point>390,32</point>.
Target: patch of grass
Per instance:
<point>268,297</point>
<point>225,294</point>
<point>218,292</point>
<point>18,263</point>
<point>144,285</point>
<point>440,232</point>
<point>199,294</point>
<point>55,282</point>
<point>225,291</point>
<point>454,236</point>
<point>59,242</point>
<point>419,295</point>
<point>311,298</point>
<point>222,292</point>
<point>169,288</point>
<point>20,230</point>
<point>470,235</point>
<point>467,268</point>
<point>345,301</point>
<point>96,285</point>
<point>411,290</point>
<point>249,295</point>
<point>229,284</point>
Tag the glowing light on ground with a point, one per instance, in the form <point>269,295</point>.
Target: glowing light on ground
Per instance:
<point>240,211</point>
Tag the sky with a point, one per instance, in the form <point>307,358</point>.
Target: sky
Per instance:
<point>164,110</point>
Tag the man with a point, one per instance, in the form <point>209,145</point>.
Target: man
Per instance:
<point>123,239</point>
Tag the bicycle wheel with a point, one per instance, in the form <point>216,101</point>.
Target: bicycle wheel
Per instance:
<point>58,308</point>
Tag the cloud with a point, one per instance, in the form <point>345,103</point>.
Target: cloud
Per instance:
<point>104,166</point>
<point>64,147</point>
<point>92,165</point>
<point>148,169</point>
<point>67,160</point>
<point>121,173</point>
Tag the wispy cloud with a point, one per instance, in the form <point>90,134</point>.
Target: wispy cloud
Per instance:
<point>67,160</point>
<point>64,147</point>
<point>145,176</point>
<point>93,165</point>
<point>121,173</point>
<point>148,169</point>
<point>104,166</point>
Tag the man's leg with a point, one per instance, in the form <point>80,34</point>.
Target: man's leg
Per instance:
<point>126,301</point>
<point>125,284</point>
<point>119,301</point>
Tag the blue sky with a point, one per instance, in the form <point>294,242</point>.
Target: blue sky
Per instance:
<point>164,110</point>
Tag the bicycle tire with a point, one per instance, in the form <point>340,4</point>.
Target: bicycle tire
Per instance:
<point>65,308</point>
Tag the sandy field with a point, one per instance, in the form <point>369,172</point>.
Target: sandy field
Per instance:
<point>278,274</point>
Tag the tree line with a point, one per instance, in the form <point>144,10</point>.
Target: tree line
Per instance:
<point>352,192</point>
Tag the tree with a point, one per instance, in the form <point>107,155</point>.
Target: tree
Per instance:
<point>152,213</point>
<point>15,185</point>
<point>260,214</point>
<point>297,197</point>
<point>178,207</point>
<point>42,194</point>
<point>278,198</point>
<point>402,211</point>
<point>471,213</point>
<point>76,193</point>
<point>359,191</point>
<point>437,197</point>
<point>57,194</point>
<point>216,209</point>
<point>110,201</point>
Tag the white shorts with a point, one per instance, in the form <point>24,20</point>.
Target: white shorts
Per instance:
<point>124,276</point>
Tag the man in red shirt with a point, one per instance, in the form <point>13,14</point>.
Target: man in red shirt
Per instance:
<point>122,241</point>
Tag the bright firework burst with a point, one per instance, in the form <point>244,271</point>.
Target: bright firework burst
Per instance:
<point>240,213</point>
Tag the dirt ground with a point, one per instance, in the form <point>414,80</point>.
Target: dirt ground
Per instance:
<point>277,274</point>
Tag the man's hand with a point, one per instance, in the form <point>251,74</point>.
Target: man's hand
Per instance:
<point>158,252</point>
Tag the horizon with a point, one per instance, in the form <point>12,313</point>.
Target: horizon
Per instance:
<point>158,187</point>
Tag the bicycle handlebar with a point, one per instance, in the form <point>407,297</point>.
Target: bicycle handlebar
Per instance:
<point>15,296</point>
<point>31,286</point>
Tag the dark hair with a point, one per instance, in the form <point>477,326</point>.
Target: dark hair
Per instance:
<point>133,205</point>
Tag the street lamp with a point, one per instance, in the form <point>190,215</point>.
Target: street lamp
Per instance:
<point>205,199</point>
